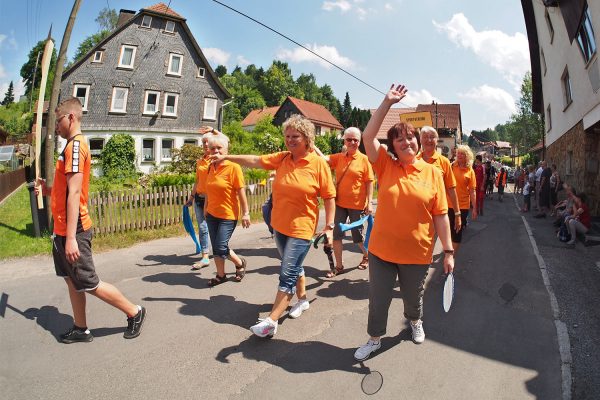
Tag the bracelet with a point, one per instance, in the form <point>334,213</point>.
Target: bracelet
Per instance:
<point>246,214</point>
<point>449,252</point>
<point>457,213</point>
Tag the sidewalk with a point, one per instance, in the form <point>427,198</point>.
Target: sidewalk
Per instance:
<point>498,341</point>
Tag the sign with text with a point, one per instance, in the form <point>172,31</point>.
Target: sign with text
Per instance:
<point>417,119</point>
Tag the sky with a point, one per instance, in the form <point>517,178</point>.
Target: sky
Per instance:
<point>471,52</point>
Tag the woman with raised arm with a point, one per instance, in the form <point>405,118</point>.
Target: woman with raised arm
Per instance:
<point>225,192</point>
<point>302,176</point>
<point>411,205</point>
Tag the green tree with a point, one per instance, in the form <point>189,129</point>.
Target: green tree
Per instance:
<point>118,157</point>
<point>241,141</point>
<point>346,111</point>
<point>526,128</point>
<point>268,137</point>
<point>310,91</point>
<point>107,19</point>
<point>28,69</point>
<point>331,102</point>
<point>89,43</point>
<point>184,159</point>
<point>277,84</point>
<point>221,70</point>
<point>9,96</point>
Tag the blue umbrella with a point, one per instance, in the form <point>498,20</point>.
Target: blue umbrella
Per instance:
<point>189,227</point>
<point>360,222</point>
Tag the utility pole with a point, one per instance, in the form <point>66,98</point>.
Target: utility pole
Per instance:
<point>51,120</point>
<point>37,60</point>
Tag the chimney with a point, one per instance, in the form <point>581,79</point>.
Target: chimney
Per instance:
<point>124,17</point>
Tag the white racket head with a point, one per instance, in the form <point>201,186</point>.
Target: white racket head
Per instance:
<point>448,293</point>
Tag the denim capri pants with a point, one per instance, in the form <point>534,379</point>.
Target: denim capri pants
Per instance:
<point>292,252</point>
<point>220,231</point>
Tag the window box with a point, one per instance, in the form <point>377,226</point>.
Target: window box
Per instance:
<point>151,102</point>
<point>175,64</point>
<point>118,103</point>
<point>127,56</point>
<point>82,92</point>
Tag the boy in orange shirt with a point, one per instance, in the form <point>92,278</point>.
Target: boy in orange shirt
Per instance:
<point>72,243</point>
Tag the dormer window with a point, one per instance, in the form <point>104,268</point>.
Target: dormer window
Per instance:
<point>175,64</point>
<point>146,21</point>
<point>98,56</point>
<point>127,57</point>
<point>170,26</point>
<point>201,72</point>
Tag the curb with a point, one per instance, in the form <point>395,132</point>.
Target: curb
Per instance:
<point>562,334</point>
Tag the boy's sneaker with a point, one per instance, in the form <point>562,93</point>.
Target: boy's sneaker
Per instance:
<point>365,351</point>
<point>418,334</point>
<point>264,328</point>
<point>76,335</point>
<point>298,308</point>
<point>134,324</point>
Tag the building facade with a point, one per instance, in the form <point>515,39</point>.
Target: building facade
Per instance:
<point>148,79</point>
<point>566,81</point>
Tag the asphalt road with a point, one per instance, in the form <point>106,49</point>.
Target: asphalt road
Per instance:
<point>499,340</point>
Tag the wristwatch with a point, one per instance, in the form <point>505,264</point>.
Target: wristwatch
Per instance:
<point>330,226</point>
<point>456,212</point>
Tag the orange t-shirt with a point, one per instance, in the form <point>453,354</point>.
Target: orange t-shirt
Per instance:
<point>222,185</point>
<point>295,190</point>
<point>201,173</point>
<point>466,183</point>
<point>351,189</point>
<point>407,200</point>
<point>74,159</point>
<point>443,164</point>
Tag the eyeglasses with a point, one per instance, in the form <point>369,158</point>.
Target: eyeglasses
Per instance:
<point>61,117</point>
<point>352,140</point>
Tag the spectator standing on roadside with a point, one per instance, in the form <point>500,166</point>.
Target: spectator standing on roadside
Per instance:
<point>555,186</point>
<point>544,192</point>
<point>501,183</point>
<point>72,241</point>
<point>480,178</point>
<point>538,178</point>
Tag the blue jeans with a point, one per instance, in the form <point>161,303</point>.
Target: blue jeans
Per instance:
<point>202,227</point>
<point>292,252</point>
<point>220,231</point>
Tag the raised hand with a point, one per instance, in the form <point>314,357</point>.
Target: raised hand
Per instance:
<point>207,129</point>
<point>395,94</point>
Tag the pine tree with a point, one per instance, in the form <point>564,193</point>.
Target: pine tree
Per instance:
<point>9,97</point>
<point>346,111</point>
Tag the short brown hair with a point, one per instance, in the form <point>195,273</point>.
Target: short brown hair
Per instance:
<point>70,105</point>
<point>396,131</point>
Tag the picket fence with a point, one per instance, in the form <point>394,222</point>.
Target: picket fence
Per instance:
<point>153,208</point>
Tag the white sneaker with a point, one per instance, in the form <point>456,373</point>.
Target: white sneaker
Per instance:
<point>298,308</point>
<point>264,327</point>
<point>364,351</point>
<point>418,334</point>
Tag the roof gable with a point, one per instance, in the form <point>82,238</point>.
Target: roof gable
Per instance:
<point>316,113</point>
<point>255,115</point>
<point>163,9</point>
<point>391,118</point>
<point>448,115</point>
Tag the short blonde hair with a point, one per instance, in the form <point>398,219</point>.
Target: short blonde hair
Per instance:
<point>71,105</point>
<point>466,150</point>
<point>304,126</point>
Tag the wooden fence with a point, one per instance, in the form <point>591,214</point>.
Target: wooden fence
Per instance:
<point>144,209</point>
<point>9,181</point>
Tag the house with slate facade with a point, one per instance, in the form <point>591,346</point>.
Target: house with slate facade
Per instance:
<point>149,79</point>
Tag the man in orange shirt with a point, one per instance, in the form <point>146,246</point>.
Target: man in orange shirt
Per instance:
<point>429,154</point>
<point>72,243</point>
<point>354,189</point>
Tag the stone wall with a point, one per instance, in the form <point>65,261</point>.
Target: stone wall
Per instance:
<point>584,173</point>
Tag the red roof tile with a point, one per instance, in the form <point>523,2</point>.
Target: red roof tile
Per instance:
<point>162,8</point>
<point>448,114</point>
<point>316,113</point>
<point>255,115</point>
<point>391,119</point>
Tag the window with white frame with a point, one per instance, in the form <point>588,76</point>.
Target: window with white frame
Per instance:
<point>193,142</point>
<point>151,102</point>
<point>148,150</point>
<point>210,109</point>
<point>201,72</point>
<point>127,56</point>
<point>170,26</point>
<point>82,92</point>
<point>166,149</point>
<point>119,100</point>
<point>146,21</point>
<point>549,117</point>
<point>170,104</point>
<point>175,64</point>
<point>566,84</point>
<point>96,146</point>
<point>98,56</point>
<point>549,23</point>
<point>585,36</point>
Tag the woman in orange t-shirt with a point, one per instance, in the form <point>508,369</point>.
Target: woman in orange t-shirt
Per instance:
<point>225,191</point>
<point>302,176</point>
<point>411,205</point>
<point>466,186</point>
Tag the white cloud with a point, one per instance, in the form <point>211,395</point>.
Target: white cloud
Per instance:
<point>242,61</point>
<point>2,39</point>
<point>492,99</point>
<point>343,5</point>
<point>361,12</point>
<point>299,55</point>
<point>509,55</point>
<point>11,41</point>
<point>216,56</point>
<point>388,7</point>
<point>423,96</point>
